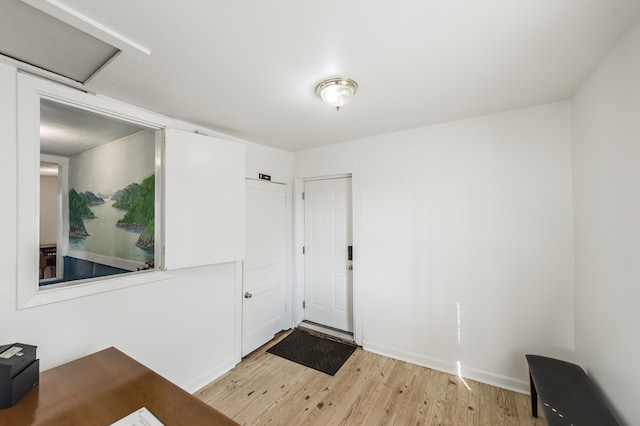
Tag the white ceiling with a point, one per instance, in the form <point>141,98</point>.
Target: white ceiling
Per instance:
<point>67,131</point>
<point>249,68</point>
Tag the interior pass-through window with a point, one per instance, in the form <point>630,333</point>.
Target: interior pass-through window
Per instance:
<point>97,195</point>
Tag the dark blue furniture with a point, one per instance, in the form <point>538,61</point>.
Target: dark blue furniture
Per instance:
<point>567,394</point>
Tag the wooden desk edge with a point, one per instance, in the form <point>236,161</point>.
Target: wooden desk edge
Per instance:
<point>38,407</point>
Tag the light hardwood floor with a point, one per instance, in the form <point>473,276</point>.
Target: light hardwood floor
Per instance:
<point>369,389</point>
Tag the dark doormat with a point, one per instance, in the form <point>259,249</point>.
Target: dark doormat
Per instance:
<point>315,352</point>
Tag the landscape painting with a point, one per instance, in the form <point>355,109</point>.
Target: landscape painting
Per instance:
<point>112,203</point>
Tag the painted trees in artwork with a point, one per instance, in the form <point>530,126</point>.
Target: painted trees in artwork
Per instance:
<point>140,202</point>
<point>78,209</point>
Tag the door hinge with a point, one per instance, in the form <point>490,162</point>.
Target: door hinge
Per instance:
<point>303,196</point>
<point>302,249</point>
<point>304,304</point>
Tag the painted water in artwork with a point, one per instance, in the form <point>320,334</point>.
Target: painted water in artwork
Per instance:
<point>107,239</point>
<point>118,225</point>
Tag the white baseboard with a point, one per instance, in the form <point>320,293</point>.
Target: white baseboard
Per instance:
<point>210,376</point>
<point>509,383</point>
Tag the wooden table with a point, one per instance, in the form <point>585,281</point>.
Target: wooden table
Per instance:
<point>104,387</point>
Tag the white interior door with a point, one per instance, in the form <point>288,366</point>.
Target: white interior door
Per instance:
<point>328,278</point>
<point>263,307</point>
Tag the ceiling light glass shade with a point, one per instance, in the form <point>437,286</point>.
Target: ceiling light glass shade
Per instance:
<point>337,92</point>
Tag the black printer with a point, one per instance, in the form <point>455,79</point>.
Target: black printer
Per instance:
<point>19,372</point>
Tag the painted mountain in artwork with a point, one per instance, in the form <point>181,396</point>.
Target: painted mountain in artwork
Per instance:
<point>123,198</point>
<point>78,209</point>
<point>139,200</point>
<point>91,199</point>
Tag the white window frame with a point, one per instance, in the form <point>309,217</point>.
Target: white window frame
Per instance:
<point>30,91</point>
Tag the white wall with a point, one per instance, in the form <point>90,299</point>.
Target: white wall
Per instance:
<point>606,175</point>
<point>185,327</point>
<point>273,162</point>
<point>472,217</point>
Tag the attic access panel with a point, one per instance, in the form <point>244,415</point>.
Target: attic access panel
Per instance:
<point>38,39</point>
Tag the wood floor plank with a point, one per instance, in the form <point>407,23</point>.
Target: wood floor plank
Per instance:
<point>370,389</point>
<point>353,401</point>
<point>466,407</point>
<point>400,411</point>
<point>343,391</point>
<point>303,397</point>
<point>420,400</point>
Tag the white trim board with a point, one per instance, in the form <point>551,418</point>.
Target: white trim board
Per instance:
<point>509,383</point>
<point>211,375</point>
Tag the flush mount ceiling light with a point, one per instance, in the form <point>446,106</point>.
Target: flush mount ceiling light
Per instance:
<point>337,92</point>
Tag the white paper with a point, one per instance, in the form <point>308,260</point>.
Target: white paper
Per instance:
<point>141,417</point>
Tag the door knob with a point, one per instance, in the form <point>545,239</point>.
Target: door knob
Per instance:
<point>350,267</point>
<point>248,295</point>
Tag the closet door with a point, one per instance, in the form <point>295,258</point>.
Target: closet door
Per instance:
<point>264,269</point>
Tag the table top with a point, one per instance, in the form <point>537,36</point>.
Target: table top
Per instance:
<point>104,387</point>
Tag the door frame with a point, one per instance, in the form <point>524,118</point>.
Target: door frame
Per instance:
<point>298,206</point>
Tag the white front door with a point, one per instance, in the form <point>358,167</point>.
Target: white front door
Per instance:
<point>328,291</point>
<point>263,307</point>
